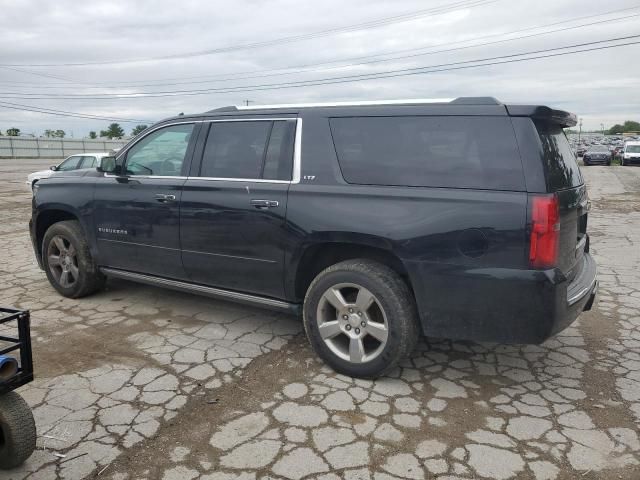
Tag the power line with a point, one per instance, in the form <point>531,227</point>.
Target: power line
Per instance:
<point>414,55</point>
<point>282,40</point>
<point>64,113</point>
<point>341,79</point>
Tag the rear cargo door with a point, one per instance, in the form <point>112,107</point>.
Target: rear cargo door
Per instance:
<point>563,178</point>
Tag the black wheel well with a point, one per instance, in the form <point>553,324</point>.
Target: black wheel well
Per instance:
<point>320,256</point>
<point>48,218</point>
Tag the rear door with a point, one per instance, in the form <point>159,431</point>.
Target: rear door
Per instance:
<point>234,205</point>
<point>563,178</point>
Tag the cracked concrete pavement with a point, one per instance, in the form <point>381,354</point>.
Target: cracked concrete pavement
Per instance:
<point>142,383</point>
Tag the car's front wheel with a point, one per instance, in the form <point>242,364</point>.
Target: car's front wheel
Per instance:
<point>67,261</point>
<point>360,318</point>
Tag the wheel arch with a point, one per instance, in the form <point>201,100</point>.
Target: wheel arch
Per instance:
<point>48,217</point>
<point>314,257</point>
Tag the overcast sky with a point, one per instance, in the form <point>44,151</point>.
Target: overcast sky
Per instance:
<point>599,86</point>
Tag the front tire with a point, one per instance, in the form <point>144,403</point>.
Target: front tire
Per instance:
<point>67,261</point>
<point>17,431</point>
<point>360,318</point>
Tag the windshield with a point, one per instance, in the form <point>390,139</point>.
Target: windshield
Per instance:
<point>633,149</point>
<point>599,148</point>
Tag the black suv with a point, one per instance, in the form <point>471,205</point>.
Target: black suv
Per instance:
<point>378,221</point>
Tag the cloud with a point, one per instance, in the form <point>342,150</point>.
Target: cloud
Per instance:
<point>599,86</point>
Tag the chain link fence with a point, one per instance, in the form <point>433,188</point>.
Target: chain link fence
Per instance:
<point>24,147</point>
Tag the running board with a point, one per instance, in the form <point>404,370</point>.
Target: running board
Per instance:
<point>212,292</point>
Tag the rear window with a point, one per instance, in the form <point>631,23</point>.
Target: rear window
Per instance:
<point>453,152</point>
<point>560,161</point>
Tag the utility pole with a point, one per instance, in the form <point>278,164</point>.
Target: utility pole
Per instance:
<point>247,102</point>
<point>580,130</point>
<point>602,127</point>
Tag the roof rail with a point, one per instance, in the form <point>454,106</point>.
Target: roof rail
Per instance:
<point>407,101</point>
<point>475,101</point>
<point>345,104</point>
<point>230,108</point>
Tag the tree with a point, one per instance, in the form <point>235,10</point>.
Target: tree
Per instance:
<point>59,133</point>
<point>13,132</point>
<point>628,126</point>
<point>138,129</point>
<point>617,128</point>
<point>49,133</point>
<point>0,133</point>
<point>114,131</point>
<point>92,134</point>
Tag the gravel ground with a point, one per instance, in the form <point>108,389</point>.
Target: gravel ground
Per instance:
<point>142,383</point>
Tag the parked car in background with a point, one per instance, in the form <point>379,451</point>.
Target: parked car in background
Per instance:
<point>74,162</point>
<point>375,221</point>
<point>580,151</point>
<point>597,155</point>
<point>631,153</point>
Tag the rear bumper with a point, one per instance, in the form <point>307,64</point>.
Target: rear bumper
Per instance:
<point>632,161</point>
<point>500,305</point>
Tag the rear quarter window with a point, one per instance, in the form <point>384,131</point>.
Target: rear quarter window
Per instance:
<point>421,151</point>
<point>560,162</point>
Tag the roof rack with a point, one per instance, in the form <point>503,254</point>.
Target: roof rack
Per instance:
<point>408,101</point>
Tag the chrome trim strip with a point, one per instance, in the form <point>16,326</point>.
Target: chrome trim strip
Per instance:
<point>264,119</point>
<point>200,289</point>
<point>347,104</point>
<point>230,256</point>
<point>297,153</point>
<point>112,240</point>
<point>253,180</point>
<point>582,292</point>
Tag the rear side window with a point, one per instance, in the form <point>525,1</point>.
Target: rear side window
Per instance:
<point>249,150</point>
<point>453,152</point>
<point>560,162</point>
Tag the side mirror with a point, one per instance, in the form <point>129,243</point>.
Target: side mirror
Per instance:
<point>53,168</point>
<point>110,165</point>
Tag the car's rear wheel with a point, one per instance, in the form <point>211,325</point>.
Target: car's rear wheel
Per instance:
<point>67,261</point>
<point>360,318</point>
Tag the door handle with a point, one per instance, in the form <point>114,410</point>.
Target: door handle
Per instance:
<point>262,204</point>
<point>165,198</point>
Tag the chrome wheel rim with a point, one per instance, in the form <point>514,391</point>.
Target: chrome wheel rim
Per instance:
<point>352,323</point>
<point>62,261</point>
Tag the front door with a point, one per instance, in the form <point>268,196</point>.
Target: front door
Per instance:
<point>137,213</point>
<point>234,206</point>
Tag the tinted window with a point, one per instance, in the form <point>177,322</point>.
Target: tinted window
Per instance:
<point>251,150</point>
<point>455,152</point>
<point>278,163</point>
<point>560,161</point>
<point>88,162</point>
<point>161,152</point>
<point>70,163</point>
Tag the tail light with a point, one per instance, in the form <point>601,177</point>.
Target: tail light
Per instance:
<point>545,231</point>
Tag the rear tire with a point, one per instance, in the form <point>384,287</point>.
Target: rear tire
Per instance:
<point>67,261</point>
<point>17,431</point>
<point>374,324</point>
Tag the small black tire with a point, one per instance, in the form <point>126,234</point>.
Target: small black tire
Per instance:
<point>17,431</point>
<point>89,279</point>
<point>394,298</point>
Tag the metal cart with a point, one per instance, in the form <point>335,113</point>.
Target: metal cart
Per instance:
<point>17,426</point>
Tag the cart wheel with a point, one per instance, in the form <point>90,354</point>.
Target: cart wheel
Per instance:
<point>17,430</point>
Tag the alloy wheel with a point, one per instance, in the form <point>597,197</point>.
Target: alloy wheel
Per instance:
<point>62,260</point>
<point>352,322</point>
